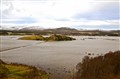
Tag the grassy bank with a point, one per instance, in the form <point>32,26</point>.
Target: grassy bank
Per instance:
<point>20,71</point>
<point>101,67</point>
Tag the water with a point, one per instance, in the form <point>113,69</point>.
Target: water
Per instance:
<point>57,58</point>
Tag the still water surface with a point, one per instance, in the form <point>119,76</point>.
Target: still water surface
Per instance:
<point>57,58</point>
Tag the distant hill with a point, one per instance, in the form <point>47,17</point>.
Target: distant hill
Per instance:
<point>62,30</point>
<point>25,28</point>
<point>30,28</point>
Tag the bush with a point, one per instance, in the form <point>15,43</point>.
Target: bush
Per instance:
<point>101,67</point>
<point>59,38</point>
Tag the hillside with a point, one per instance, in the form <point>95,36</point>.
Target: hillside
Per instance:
<point>62,30</point>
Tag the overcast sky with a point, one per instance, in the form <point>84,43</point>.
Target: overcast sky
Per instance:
<point>81,14</point>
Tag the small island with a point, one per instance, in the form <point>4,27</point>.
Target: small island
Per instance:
<point>32,37</point>
<point>20,71</point>
<point>54,37</point>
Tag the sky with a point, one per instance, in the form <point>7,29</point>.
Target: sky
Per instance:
<point>80,14</point>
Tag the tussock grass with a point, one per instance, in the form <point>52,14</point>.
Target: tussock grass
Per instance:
<point>20,71</point>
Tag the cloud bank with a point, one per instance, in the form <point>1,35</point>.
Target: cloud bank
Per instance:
<point>82,14</point>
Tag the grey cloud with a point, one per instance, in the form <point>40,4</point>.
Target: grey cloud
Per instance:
<point>62,19</point>
<point>110,11</point>
<point>6,12</point>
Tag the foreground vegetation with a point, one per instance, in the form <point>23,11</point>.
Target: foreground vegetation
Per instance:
<point>19,71</point>
<point>50,38</point>
<point>101,67</point>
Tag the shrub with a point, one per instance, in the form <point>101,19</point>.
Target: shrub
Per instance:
<point>59,38</point>
<point>101,67</point>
